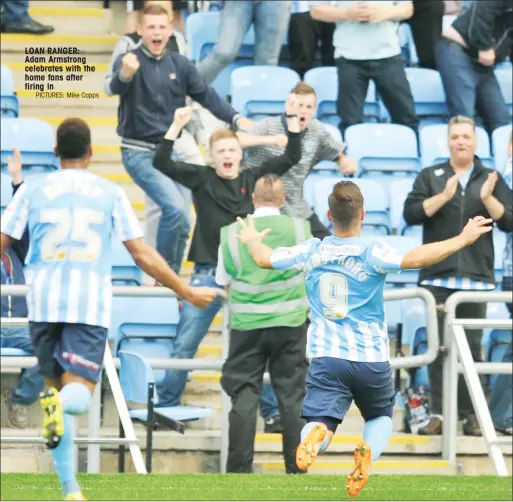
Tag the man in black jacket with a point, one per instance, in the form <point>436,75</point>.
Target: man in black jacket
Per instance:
<point>443,199</point>
<point>152,83</point>
<point>220,195</point>
<point>480,37</point>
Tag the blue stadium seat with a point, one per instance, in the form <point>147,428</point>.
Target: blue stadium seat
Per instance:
<point>144,325</point>
<point>414,317</point>
<point>34,138</point>
<point>383,148</point>
<point>137,381</point>
<point>408,47</point>
<point>376,220</point>
<point>428,95</point>
<point>500,138</point>
<point>334,131</point>
<point>325,82</point>
<point>326,165</point>
<point>124,270</point>
<point>435,150</point>
<point>259,91</point>
<point>9,103</point>
<point>314,178</point>
<point>399,190</point>
<point>402,245</point>
<point>6,190</point>
<point>504,77</point>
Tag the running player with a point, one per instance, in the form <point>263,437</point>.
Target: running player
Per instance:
<point>71,215</point>
<point>347,339</point>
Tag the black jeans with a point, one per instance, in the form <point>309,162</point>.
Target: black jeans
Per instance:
<point>283,349</point>
<point>474,336</point>
<point>304,36</point>
<point>317,228</point>
<point>426,26</point>
<point>391,84</point>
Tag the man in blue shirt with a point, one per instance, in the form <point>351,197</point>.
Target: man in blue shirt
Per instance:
<point>347,339</point>
<point>71,215</point>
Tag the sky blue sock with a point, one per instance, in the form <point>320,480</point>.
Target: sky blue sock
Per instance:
<point>75,398</point>
<point>376,434</point>
<point>64,458</point>
<point>306,430</point>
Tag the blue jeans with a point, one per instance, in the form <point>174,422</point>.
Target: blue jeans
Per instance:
<point>31,382</point>
<point>173,199</point>
<point>268,402</point>
<point>15,11</point>
<point>470,88</point>
<point>270,20</point>
<point>192,328</point>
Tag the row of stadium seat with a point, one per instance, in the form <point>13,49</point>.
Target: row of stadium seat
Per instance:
<point>378,148</point>
<point>257,91</point>
<point>202,33</point>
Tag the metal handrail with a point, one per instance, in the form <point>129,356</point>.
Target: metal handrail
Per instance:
<point>455,344</point>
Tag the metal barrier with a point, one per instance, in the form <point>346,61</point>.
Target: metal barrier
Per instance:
<point>456,344</point>
<point>198,364</point>
<point>110,364</point>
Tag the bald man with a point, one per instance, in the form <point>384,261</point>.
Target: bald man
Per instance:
<point>268,313</point>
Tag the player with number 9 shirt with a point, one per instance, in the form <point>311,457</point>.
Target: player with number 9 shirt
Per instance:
<point>347,340</point>
<point>71,215</point>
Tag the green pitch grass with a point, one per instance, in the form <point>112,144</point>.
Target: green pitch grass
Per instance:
<point>256,487</point>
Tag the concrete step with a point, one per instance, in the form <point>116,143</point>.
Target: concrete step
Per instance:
<point>73,20</point>
<point>86,44</point>
<point>210,441</point>
<point>337,464</point>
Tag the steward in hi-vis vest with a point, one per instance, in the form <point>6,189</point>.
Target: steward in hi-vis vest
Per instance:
<point>268,314</point>
<point>261,298</point>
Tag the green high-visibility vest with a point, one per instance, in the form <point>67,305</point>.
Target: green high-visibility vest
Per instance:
<point>261,298</point>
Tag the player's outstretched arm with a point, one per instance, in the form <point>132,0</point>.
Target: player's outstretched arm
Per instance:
<point>153,264</point>
<point>429,254</point>
<point>5,242</point>
<point>250,236</point>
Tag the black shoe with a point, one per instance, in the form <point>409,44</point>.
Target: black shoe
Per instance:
<point>506,431</point>
<point>31,27</point>
<point>433,428</point>
<point>471,426</point>
<point>273,425</point>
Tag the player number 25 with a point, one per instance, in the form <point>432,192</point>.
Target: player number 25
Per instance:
<point>334,292</point>
<point>75,226</point>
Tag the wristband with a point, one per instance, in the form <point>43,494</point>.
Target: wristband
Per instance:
<point>290,116</point>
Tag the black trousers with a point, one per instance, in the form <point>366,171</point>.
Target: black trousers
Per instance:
<point>304,36</point>
<point>283,350</point>
<point>426,26</point>
<point>474,336</point>
<point>391,84</point>
<point>317,228</point>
